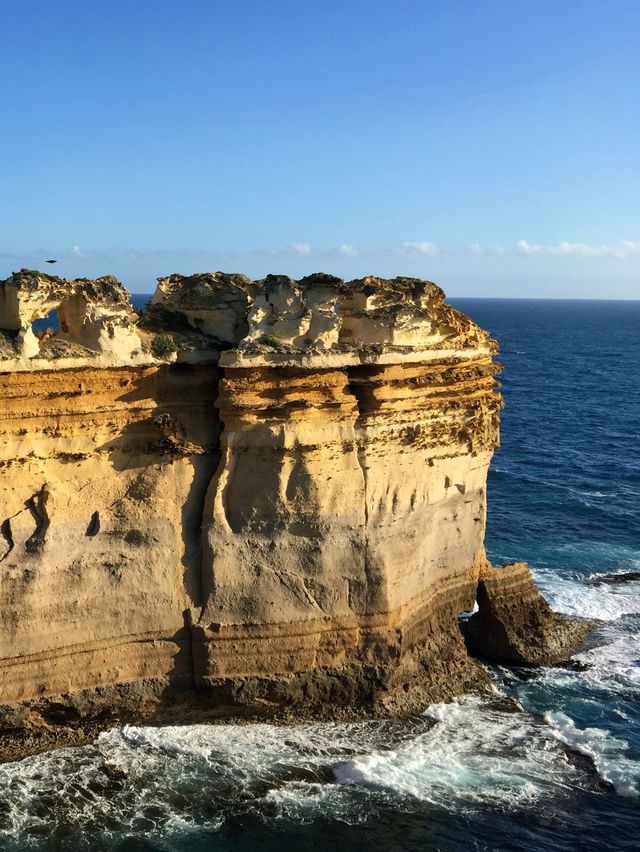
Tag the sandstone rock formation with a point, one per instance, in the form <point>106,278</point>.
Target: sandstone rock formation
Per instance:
<point>215,304</point>
<point>95,318</point>
<point>515,625</point>
<point>289,512</point>
<point>347,513</point>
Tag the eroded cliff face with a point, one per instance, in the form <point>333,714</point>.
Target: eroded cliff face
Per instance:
<point>289,511</point>
<point>99,554</point>
<point>347,514</point>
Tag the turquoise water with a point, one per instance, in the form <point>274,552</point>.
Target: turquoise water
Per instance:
<point>559,770</point>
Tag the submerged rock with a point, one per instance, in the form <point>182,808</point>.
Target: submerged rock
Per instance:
<point>617,579</point>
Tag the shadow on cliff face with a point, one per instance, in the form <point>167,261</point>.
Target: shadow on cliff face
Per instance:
<point>173,420</point>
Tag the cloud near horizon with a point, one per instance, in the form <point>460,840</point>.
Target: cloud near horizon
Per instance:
<point>422,247</point>
<point>621,250</point>
<point>301,248</point>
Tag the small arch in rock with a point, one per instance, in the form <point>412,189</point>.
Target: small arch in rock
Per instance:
<point>46,325</point>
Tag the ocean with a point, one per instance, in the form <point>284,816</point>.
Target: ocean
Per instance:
<point>550,762</point>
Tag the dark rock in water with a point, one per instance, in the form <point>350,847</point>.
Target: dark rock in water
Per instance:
<point>617,579</point>
<point>140,844</point>
<point>585,762</point>
<point>516,626</point>
<point>524,673</point>
<point>114,771</point>
<point>576,666</point>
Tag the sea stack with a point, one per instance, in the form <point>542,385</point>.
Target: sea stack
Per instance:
<point>258,497</point>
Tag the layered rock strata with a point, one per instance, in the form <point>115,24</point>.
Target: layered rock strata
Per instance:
<point>286,512</point>
<point>515,625</point>
<point>347,513</point>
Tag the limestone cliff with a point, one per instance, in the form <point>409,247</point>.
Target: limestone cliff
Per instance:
<point>259,495</point>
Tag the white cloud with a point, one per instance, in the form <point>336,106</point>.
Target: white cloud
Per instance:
<point>478,248</point>
<point>622,250</point>
<point>422,247</point>
<point>525,247</point>
<point>75,250</point>
<point>301,248</point>
<point>348,251</point>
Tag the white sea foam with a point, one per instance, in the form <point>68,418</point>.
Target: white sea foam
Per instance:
<point>608,753</point>
<point>575,597</point>
<point>476,754</point>
<point>472,754</point>
<point>615,664</point>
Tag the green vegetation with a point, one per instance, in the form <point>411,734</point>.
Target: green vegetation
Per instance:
<point>163,345</point>
<point>273,342</point>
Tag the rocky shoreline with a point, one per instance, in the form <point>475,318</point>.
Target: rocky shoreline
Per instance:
<point>256,499</point>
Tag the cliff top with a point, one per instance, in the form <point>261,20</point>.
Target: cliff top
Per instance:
<point>315,322</point>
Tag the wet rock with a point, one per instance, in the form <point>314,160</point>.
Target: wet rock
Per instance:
<point>617,579</point>
<point>113,770</point>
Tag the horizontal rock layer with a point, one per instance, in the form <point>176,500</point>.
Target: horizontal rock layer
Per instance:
<point>515,625</point>
<point>277,501</point>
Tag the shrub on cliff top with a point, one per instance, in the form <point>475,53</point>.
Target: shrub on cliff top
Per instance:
<point>163,345</point>
<point>273,342</point>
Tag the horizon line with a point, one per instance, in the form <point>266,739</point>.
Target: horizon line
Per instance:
<point>487,298</point>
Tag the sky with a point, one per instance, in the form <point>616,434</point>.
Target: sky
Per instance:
<point>492,146</point>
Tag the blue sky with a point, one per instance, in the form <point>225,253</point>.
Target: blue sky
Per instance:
<point>491,146</point>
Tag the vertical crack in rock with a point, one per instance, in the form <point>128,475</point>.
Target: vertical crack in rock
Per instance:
<point>360,453</point>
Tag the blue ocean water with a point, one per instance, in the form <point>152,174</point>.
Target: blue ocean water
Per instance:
<point>559,770</point>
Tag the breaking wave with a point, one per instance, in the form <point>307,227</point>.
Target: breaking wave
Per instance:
<point>574,596</point>
<point>609,754</point>
<point>470,756</point>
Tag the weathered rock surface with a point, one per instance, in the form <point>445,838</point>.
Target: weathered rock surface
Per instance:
<point>515,625</point>
<point>95,318</point>
<point>286,515</point>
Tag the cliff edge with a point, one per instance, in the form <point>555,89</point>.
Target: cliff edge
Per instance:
<point>256,497</point>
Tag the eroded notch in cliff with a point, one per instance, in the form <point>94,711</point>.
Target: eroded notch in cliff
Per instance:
<point>94,525</point>
<point>7,535</point>
<point>37,505</point>
<point>514,624</point>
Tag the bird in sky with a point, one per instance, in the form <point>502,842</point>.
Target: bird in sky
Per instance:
<point>52,261</point>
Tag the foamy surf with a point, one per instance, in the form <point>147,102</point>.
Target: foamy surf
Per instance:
<point>571,595</point>
<point>473,755</point>
<point>477,753</point>
<point>609,754</point>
